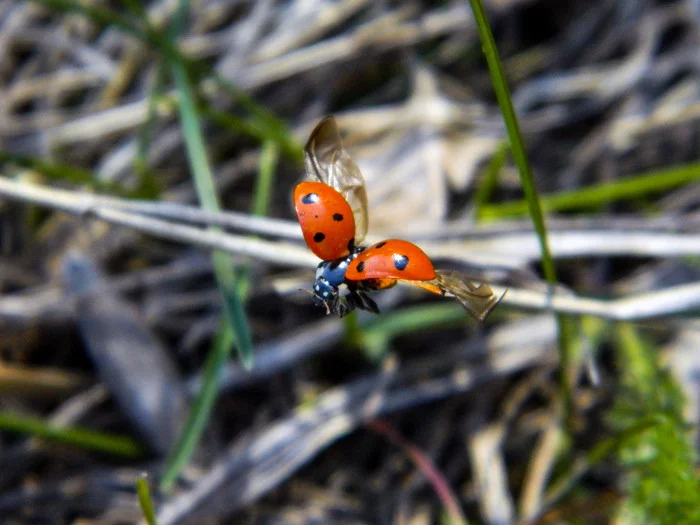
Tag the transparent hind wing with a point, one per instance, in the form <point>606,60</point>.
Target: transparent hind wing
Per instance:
<point>327,161</point>
<point>477,299</point>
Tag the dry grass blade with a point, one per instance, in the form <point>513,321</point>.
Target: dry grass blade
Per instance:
<point>490,475</point>
<point>84,206</point>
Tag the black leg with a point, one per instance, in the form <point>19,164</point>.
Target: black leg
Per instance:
<point>365,303</point>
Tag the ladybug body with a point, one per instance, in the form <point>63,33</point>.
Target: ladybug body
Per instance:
<point>326,220</point>
<point>332,210</point>
<point>392,259</point>
<point>333,290</point>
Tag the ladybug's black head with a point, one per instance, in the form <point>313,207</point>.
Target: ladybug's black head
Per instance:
<point>329,288</point>
<point>332,291</point>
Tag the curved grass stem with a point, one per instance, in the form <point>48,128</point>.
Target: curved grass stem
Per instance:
<point>529,188</point>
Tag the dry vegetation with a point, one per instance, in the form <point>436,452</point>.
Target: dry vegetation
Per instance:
<point>111,316</point>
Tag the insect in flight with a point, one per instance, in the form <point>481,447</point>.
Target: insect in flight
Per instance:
<point>331,205</point>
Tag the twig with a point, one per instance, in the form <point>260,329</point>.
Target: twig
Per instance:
<point>84,205</point>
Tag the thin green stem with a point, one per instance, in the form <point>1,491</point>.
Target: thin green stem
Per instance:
<point>61,172</point>
<point>79,437</point>
<point>204,185</point>
<point>269,156</point>
<point>599,194</point>
<point>199,414</point>
<point>489,181</point>
<point>375,336</point>
<point>529,188</point>
<point>236,329</point>
<point>145,501</point>
<point>147,180</point>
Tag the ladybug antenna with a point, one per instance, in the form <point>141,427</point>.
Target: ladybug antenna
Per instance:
<point>312,294</point>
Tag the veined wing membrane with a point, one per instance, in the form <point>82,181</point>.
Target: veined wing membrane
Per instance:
<point>327,161</point>
<point>477,299</point>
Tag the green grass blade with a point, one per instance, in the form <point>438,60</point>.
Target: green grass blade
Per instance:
<point>269,156</point>
<point>136,7</point>
<point>199,414</point>
<point>88,439</point>
<point>49,169</point>
<point>528,183</point>
<point>147,180</point>
<point>62,172</point>
<point>177,24</point>
<point>145,501</point>
<point>204,184</point>
<point>490,180</point>
<point>99,15</point>
<point>600,194</point>
<point>262,123</point>
<point>259,128</point>
<point>354,337</point>
<point>516,142</point>
<point>236,329</point>
<point>416,319</point>
<point>376,336</point>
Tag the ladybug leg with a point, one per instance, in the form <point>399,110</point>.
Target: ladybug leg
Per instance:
<point>327,306</point>
<point>344,306</point>
<point>356,300</point>
<point>364,302</point>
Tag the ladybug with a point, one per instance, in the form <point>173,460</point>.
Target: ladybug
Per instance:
<point>331,205</point>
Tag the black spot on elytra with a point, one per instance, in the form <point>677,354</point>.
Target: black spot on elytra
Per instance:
<point>310,198</point>
<point>361,267</point>
<point>318,237</point>
<point>380,244</point>
<point>337,217</point>
<point>400,261</point>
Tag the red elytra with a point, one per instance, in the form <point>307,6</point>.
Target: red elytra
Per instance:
<point>326,220</point>
<point>392,259</point>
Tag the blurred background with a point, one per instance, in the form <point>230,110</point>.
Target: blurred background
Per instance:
<point>151,323</point>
